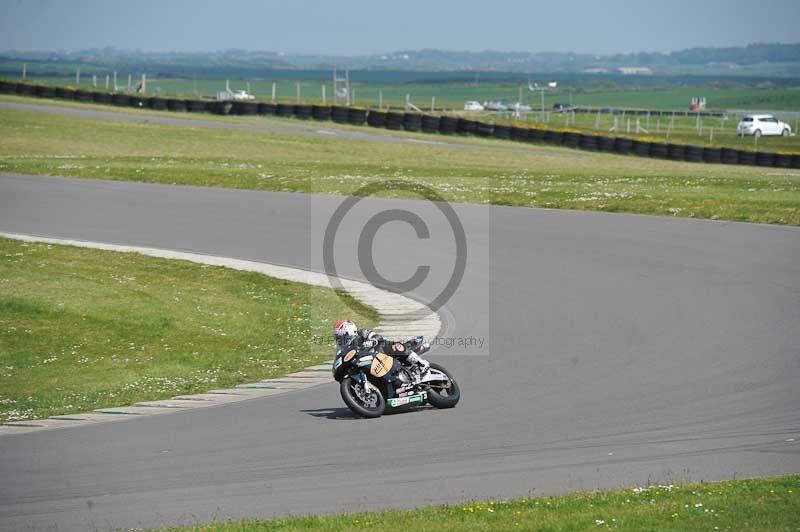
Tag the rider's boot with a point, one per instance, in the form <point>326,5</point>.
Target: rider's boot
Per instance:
<point>419,362</point>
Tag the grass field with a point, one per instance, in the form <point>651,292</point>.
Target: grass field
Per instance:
<point>494,172</point>
<point>768,505</point>
<point>453,95</point>
<point>82,329</point>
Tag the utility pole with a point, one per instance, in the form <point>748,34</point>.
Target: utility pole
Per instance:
<point>78,77</point>
<point>24,70</point>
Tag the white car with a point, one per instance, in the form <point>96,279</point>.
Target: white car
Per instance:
<point>473,106</point>
<point>762,125</point>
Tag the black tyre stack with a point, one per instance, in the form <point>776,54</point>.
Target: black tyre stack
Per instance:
<point>730,156</point>
<point>121,99</point>
<point>284,109</point>
<point>64,93</point>
<point>641,148</point>
<point>484,129</point>
<point>25,89</point>
<point>101,97</point>
<point>795,161</point>
<point>174,104</point>
<point>520,134</point>
<point>466,126</point>
<point>394,120</point>
<point>659,150</point>
<point>553,137</point>
<point>265,108</point>
<point>765,158</point>
<point>303,111</point>
<point>339,114</point>
<point>159,104</point>
<point>6,87</point>
<point>605,144</point>
<point>430,124</point>
<point>45,91</point>
<point>357,116</point>
<point>536,135</point>
<point>222,108</point>
<point>138,102</point>
<point>321,112</point>
<point>712,155</point>
<point>570,139</point>
<point>623,146</point>
<point>448,125</point>
<point>783,160</point>
<point>502,132</point>
<point>588,142</point>
<point>676,152</point>
<point>747,157</point>
<point>694,154</point>
<point>196,106</point>
<point>412,122</point>
<point>376,119</point>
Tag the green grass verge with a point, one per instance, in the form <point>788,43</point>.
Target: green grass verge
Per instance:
<point>742,505</point>
<point>495,172</point>
<point>82,329</point>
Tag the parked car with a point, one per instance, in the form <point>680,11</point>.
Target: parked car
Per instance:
<point>473,106</point>
<point>495,106</point>
<point>561,108</point>
<point>519,107</point>
<point>758,125</point>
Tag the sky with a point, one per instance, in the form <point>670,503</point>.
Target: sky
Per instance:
<point>360,27</point>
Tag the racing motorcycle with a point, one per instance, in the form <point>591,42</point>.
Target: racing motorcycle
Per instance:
<point>372,382</point>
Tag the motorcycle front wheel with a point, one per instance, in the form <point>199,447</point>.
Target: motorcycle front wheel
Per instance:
<point>444,396</point>
<point>367,403</point>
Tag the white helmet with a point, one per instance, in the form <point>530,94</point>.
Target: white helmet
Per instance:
<point>345,331</point>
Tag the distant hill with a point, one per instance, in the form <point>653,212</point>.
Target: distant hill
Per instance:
<point>759,60</point>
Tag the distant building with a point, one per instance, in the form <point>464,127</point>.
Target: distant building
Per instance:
<point>634,71</point>
<point>595,70</point>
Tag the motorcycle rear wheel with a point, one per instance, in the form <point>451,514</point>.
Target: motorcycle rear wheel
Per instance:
<point>350,396</point>
<point>447,398</point>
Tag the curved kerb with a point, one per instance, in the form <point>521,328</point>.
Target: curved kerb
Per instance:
<point>400,317</point>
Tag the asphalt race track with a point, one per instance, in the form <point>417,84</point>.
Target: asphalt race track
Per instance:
<point>620,349</point>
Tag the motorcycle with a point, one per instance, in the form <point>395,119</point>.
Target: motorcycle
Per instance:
<point>372,382</point>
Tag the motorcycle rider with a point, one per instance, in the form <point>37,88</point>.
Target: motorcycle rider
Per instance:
<point>348,336</point>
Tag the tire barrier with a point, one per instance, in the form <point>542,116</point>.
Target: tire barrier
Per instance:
<point>783,160</point>
<point>712,155</point>
<point>765,158</point>
<point>339,114</point>
<point>536,135</point>
<point>159,104</point>
<point>484,129</point>
<point>641,148</point>
<point>137,101</point>
<point>222,108</point>
<point>284,109</point>
<point>176,105</point>
<point>659,150</point>
<point>570,139</point>
<point>196,106</point>
<point>44,91</point>
<point>25,89</point>
<point>245,108</point>
<point>553,137</point>
<point>466,126</point>
<point>730,156</point>
<point>447,125</point>
<point>303,111</point>
<point>585,142</point>
<point>357,116</point>
<point>502,132</point>
<point>623,146</point>
<point>394,120</point>
<point>376,119</point>
<point>121,99</point>
<point>412,122</point>
<point>266,108</point>
<point>321,112</point>
<point>693,154</point>
<point>520,134</point>
<point>64,93</point>
<point>747,157</point>
<point>606,144</point>
<point>430,124</point>
<point>676,152</point>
